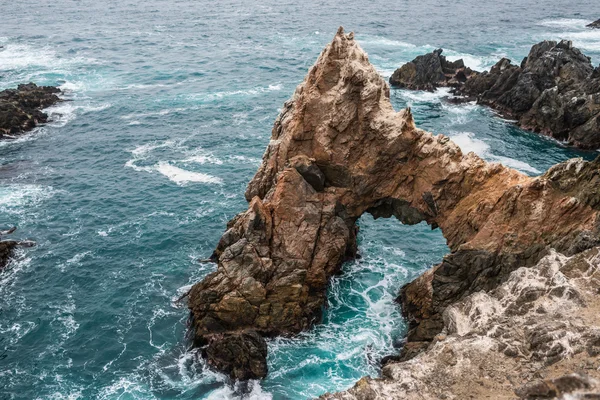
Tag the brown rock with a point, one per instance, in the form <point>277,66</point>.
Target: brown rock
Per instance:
<point>276,258</point>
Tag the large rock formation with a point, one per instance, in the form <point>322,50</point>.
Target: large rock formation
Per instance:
<point>430,71</point>
<point>555,91</point>
<point>338,150</point>
<point>20,109</point>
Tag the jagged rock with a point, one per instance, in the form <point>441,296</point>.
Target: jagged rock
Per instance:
<point>240,355</point>
<point>276,258</point>
<point>20,108</point>
<point>595,24</point>
<point>529,337</point>
<point>555,91</point>
<point>430,71</point>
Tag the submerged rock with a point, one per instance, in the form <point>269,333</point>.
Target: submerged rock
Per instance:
<point>595,24</point>
<point>430,71</point>
<point>20,109</point>
<point>338,149</point>
<point>555,90</point>
<point>7,247</point>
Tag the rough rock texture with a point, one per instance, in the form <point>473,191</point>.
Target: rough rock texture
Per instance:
<point>595,24</point>
<point>430,71</point>
<point>20,108</point>
<point>276,258</point>
<point>536,336</point>
<point>555,91</point>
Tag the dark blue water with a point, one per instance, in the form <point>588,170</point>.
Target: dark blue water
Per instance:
<point>171,107</point>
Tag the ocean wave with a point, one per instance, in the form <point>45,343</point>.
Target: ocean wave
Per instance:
<point>469,143</point>
<point>383,41</point>
<point>181,176</point>
<point>565,22</point>
<point>63,113</point>
<point>419,96</point>
<point>17,56</point>
<point>16,199</point>
<point>209,97</point>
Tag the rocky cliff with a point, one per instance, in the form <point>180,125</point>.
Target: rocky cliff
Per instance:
<point>430,71</point>
<point>20,109</point>
<point>338,150</point>
<point>555,90</point>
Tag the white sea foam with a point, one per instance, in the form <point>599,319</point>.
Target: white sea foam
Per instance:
<point>423,96</point>
<point>182,176</point>
<point>226,392</point>
<point>16,199</point>
<point>18,56</point>
<point>383,41</point>
<point>220,95</point>
<point>469,143</point>
<point>65,112</point>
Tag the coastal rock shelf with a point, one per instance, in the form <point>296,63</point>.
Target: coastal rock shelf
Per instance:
<point>20,109</point>
<point>339,150</point>
<point>555,90</point>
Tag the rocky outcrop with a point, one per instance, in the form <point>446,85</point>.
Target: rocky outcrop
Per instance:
<point>7,247</point>
<point>20,109</point>
<point>555,90</point>
<point>595,24</point>
<point>338,149</point>
<point>430,71</point>
<point>536,336</point>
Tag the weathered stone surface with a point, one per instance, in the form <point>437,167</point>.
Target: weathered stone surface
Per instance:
<point>430,71</point>
<point>276,258</point>
<point>555,91</point>
<point>20,108</point>
<point>241,355</point>
<point>530,337</point>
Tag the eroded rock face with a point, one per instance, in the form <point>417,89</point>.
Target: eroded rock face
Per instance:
<point>555,91</point>
<point>338,150</point>
<point>536,336</point>
<point>430,71</point>
<point>20,108</point>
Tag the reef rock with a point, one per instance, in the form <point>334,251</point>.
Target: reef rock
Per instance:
<point>338,149</point>
<point>595,24</point>
<point>20,108</point>
<point>430,71</point>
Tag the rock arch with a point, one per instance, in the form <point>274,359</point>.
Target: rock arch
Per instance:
<point>338,150</point>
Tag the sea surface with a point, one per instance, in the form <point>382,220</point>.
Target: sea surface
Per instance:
<point>170,108</point>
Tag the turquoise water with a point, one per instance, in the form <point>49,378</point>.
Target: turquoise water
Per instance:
<point>171,106</point>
